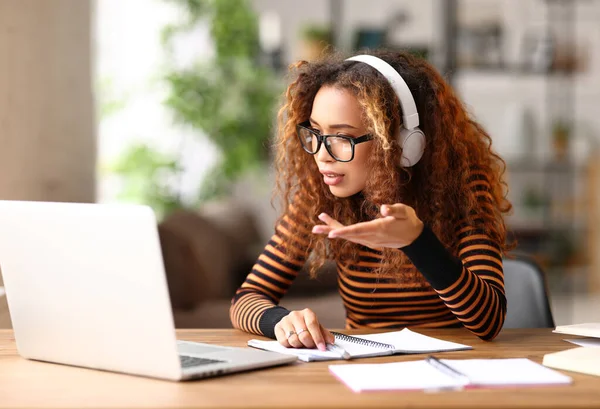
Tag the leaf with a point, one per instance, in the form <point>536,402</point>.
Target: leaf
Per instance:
<point>229,99</point>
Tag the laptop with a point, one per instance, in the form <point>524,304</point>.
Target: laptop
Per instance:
<point>86,286</point>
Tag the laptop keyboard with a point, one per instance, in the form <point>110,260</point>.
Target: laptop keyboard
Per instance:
<point>189,361</point>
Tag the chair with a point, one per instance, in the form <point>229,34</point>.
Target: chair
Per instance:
<point>526,295</point>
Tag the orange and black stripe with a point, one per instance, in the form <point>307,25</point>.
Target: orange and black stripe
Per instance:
<point>466,290</point>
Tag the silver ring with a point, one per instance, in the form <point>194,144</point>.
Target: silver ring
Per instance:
<point>300,331</point>
<point>290,333</point>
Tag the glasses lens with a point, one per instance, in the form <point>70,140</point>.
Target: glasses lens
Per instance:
<point>309,140</point>
<point>340,148</point>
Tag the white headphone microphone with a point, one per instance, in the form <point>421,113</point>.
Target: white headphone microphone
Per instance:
<point>410,138</point>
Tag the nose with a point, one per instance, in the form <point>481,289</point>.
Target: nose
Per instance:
<point>323,155</point>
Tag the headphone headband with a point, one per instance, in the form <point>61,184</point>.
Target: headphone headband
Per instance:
<point>410,117</point>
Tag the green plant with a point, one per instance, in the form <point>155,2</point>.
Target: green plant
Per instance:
<point>109,100</point>
<point>147,175</point>
<point>229,98</point>
<point>561,133</point>
<point>316,33</point>
<point>561,130</point>
<point>533,199</point>
<point>561,247</point>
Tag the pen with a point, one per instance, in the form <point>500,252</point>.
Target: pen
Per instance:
<point>436,363</point>
<point>336,348</point>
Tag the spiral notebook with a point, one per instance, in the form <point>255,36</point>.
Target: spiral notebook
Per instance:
<point>363,346</point>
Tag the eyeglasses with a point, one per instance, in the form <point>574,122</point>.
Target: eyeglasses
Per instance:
<point>340,147</point>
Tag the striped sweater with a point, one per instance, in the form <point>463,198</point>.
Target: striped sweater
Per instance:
<point>467,290</point>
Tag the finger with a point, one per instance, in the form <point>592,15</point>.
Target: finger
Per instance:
<point>313,326</point>
<point>398,210</point>
<point>372,246</point>
<point>305,337</point>
<point>321,229</point>
<point>328,220</point>
<point>335,234</point>
<point>295,323</point>
<point>281,336</point>
<point>293,339</point>
<point>358,229</point>
<point>327,335</point>
<point>302,337</point>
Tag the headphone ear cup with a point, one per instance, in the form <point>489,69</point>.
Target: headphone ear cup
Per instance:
<point>412,142</point>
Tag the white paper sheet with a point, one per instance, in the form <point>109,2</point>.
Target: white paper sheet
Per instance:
<point>585,342</point>
<point>412,342</point>
<point>420,375</point>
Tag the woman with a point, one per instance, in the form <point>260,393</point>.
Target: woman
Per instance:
<point>383,171</point>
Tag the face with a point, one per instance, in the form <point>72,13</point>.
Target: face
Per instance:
<point>337,112</point>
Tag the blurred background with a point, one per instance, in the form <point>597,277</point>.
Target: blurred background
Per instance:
<point>172,103</point>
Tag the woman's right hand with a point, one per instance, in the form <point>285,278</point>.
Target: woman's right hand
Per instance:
<point>301,329</point>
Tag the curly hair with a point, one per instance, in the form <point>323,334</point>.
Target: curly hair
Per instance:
<point>437,187</point>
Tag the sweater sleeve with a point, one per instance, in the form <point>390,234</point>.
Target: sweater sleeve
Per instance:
<point>255,306</point>
<point>472,284</point>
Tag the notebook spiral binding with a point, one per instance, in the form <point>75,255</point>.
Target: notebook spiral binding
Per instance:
<point>361,341</point>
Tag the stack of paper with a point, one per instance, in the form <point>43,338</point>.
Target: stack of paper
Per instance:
<point>588,329</point>
<point>584,360</point>
<point>585,342</point>
<point>421,375</point>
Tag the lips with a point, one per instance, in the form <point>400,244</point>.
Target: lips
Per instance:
<point>332,178</point>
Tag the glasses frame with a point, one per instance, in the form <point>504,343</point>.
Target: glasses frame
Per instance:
<point>322,139</point>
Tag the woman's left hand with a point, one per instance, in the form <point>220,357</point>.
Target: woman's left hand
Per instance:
<point>398,227</point>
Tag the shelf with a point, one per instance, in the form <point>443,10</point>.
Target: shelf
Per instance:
<point>533,165</point>
<point>531,230</point>
<point>515,72</point>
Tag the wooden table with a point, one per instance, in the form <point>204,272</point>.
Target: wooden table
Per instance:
<point>26,383</point>
<point>4,316</point>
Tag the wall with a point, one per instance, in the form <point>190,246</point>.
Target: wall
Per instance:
<point>47,143</point>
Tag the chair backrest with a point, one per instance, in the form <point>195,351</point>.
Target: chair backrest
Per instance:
<point>526,294</point>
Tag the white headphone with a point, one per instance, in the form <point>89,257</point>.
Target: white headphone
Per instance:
<point>410,138</point>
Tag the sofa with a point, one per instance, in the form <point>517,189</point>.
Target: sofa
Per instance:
<point>207,255</point>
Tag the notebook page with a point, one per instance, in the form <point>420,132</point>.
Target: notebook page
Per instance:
<point>304,354</point>
<point>507,372</point>
<point>407,341</point>
<point>357,350</point>
<point>413,375</point>
<point>314,354</point>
